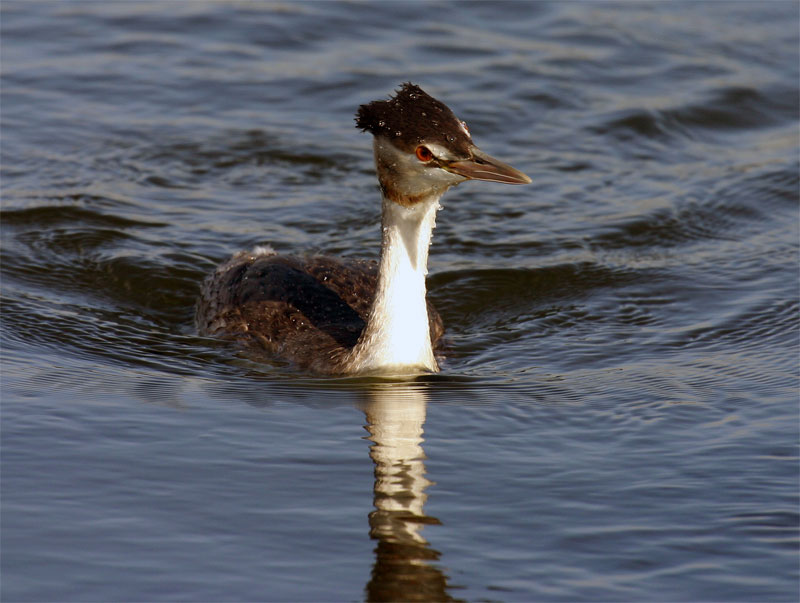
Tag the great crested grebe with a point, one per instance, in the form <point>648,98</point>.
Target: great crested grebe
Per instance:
<point>342,316</point>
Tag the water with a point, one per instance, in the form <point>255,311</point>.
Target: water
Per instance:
<point>617,418</point>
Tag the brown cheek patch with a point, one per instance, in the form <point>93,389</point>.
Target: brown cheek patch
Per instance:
<point>394,195</point>
<point>387,176</point>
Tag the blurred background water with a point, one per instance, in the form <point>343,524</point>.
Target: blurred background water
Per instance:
<point>617,417</point>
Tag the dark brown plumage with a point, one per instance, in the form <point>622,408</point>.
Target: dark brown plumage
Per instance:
<point>307,310</point>
<point>413,117</point>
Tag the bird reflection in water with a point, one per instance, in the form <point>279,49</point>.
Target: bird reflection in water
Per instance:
<point>405,568</point>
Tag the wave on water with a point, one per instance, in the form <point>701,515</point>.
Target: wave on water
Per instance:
<point>726,109</point>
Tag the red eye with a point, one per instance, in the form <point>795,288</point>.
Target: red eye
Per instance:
<point>424,153</point>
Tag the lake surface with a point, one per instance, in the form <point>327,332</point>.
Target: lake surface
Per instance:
<point>617,416</point>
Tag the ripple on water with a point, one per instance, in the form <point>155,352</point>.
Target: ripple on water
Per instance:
<point>85,282</point>
<point>739,205</point>
<point>622,375</point>
<point>723,110</point>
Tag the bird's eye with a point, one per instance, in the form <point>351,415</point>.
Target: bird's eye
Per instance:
<point>424,153</point>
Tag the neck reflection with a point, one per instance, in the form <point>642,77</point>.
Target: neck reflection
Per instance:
<point>403,568</point>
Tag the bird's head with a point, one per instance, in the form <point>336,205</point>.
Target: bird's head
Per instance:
<point>422,148</point>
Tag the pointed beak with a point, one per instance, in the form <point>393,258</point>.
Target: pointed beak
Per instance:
<point>485,167</point>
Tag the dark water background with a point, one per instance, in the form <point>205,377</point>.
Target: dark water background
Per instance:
<point>617,418</point>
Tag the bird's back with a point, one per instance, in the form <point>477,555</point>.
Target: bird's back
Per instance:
<point>309,311</point>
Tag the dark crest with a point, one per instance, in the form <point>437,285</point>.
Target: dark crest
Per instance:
<point>412,117</point>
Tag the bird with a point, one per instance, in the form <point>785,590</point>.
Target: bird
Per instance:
<point>335,316</point>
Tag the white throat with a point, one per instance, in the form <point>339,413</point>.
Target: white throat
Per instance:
<point>397,335</point>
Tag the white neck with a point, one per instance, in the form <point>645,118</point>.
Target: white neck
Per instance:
<point>397,335</point>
